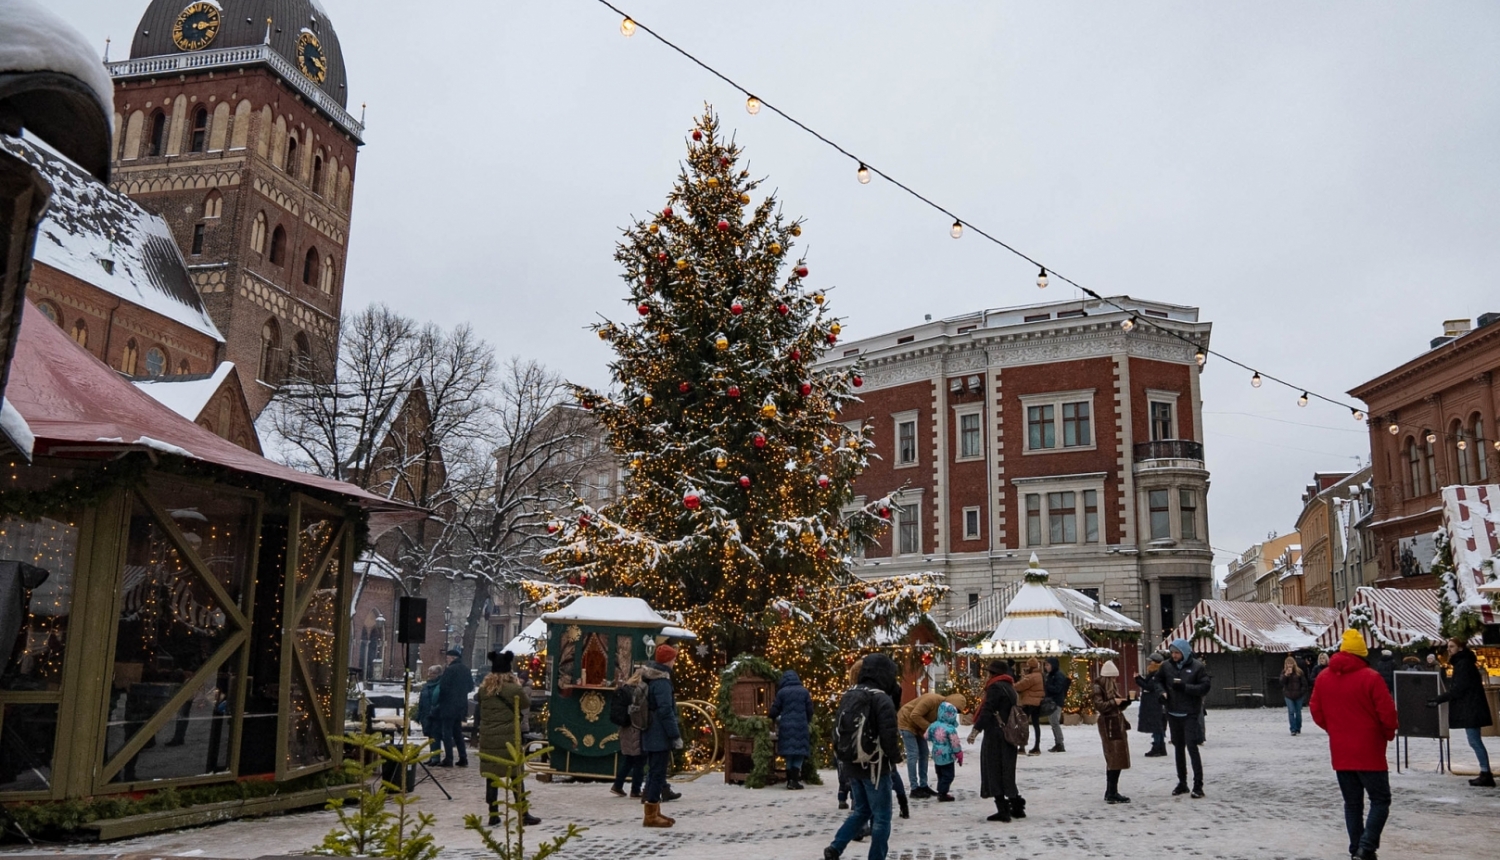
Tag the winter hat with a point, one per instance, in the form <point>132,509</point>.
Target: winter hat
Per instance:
<point>1183,647</point>
<point>1157,657</point>
<point>502,663</point>
<point>1386,653</point>
<point>453,652</point>
<point>999,667</point>
<point>665,654</point>
<point>1354,643</point>
<point>1109,670</point>
<point>947,713</point>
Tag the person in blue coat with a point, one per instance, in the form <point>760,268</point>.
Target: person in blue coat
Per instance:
<point>662,735</point>
<point>793,711</point>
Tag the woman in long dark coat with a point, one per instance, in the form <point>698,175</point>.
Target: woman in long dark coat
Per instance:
<point>1468,708</point>
<point>997,756</point>
<point>1152,719</point>
<point>1114,729</point>
<point>793,711</point>
<point>501,700</point>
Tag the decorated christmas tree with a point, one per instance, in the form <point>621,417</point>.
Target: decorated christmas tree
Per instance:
<point>738,508</point>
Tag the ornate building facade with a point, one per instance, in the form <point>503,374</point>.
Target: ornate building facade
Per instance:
<point>1048,428</point>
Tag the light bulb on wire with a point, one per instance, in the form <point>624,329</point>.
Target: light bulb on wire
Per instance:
<point>1431,437</point>
<point>957,230</point>
<point>1201,357</point>
<point>1359,415</point>
<point>1255,380</point>
<point>1302,401</point>
<point>1394,429</point>
<point>752,105</point>
<point>1128,324</point>
<point>1041,279</point>
<point>627,28</point>
<point>1463,444</point>
<point>863,173</point>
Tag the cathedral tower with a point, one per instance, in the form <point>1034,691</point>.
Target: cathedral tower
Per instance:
<point>232,123</point>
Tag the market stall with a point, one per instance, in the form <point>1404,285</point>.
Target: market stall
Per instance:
<point>1244,646</point>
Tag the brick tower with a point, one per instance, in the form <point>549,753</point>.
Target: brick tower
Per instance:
<point>231,123</point>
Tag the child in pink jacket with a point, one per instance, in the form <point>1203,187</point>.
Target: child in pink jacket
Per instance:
<point>946,746</point>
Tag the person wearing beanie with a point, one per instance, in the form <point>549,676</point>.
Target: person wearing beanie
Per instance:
<point>1152,719</point>
<point>1386,666</point>
<point>997,756</point>
<point>662,735</point>
<point>914,718</point>
<point>1468,708</point>
<point>1114,729</point>
<point>1350,703</point>
<point>871,704</point>
<point>453,703</point>
<point>1185,681</point>
<point>502,703</point>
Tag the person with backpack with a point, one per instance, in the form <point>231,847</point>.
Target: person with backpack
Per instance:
<point>627,708</point>
<point>946,745</point>
<point>792,712</point>
<point>1055,686</point>
<point>662,734</point>
<point>1185,681</point>
<point>867,742</point>
<point>1003,722</point>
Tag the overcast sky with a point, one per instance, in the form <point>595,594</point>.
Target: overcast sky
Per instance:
<point>1320,179</point>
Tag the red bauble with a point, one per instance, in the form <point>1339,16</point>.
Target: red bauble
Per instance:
<point>661,256</point>
<point>583,579</point>
<point>552,528</point>
<point>926,658</point>
<point>723,161</point>
<point>869,593</point>
<point>697,135</point>
<point>822,553</point>
<point>823,482</point>
<point>691,501</point>
<point>723,225</point>
<point>736,308</point>
<point>801,591</point>
<point>649,282</point>
<point>643,309</point>
<point>684,386</point>
<point>745,481</point>
<point>795,355</point>
<point>584,521</point>
<point>858,381</point>
<point>588,403</point>
<point>667,212</point>
<point>832,338</point>
<point>885,513</point>
<point>801,271</point>
<point>783,309</point>
<point>734,391</point>
<point>758,440</point>
<point>805,388</point>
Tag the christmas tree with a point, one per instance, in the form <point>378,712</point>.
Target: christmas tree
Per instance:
<point>738,509</point>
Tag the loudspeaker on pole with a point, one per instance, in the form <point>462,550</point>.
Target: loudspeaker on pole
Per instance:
<point>411,621</point>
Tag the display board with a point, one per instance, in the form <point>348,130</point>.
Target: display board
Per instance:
<point>1415,720</point>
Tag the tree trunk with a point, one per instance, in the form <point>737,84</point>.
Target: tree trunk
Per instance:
<point>471,622</point>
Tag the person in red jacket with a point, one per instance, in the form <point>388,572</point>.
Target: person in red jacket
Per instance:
<point>1350,702</point>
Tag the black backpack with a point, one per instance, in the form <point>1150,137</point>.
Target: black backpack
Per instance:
<point>856,737</point>
<point>619,706</point>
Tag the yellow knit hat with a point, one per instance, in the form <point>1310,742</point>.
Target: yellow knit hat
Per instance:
<point>1354,643</point>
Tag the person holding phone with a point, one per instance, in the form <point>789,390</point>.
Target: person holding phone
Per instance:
<point>1114,729</point>
<point>1186,681</point>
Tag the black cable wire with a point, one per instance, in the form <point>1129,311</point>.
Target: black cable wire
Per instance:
<point>1051,272</point>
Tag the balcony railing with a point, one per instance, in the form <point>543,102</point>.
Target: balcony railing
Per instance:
<point>1169,449</point>
<point>235,57</point>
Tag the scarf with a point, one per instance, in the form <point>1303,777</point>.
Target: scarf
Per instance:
<point>998,678</point>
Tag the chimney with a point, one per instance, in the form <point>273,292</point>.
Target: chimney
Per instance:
<point>1487,319</point>
<point>1456,328</point>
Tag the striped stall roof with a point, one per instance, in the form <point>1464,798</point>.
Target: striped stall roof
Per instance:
<point>1471,516</point>
<point>1314,619</point>
<point>1399,617</point>
<point>984,616</point>
<point>1240,626</point>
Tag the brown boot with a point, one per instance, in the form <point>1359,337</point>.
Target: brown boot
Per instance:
<point>654,818</point>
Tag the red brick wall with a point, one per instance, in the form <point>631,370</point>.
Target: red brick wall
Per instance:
<point>1160,376</point>
<point>882,476</point>
<point>968,484</point>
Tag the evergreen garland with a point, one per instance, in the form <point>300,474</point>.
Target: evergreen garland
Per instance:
<point>758,728</point>
<point>84,489</point>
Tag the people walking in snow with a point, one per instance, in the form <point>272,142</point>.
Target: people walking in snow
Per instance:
<point>662,735</point>
<point>997,756</point>
<point>1293,688</point>
<point>1468,708</point>
<point>502,702</point>
<point>1318,667</point>
<point>1031,688</point>
<point>868,705</point>
<point>1185,681</point>
<point>1152,719</point>
<point>1055,685</point>
<point>793,712</point>
<point>1350,702</point>
<point>914,718</point>
<point>453,704</point>
<point>429,713</point>
<point>1386,666</point>
<point>629,707</point>
<point>1114,729</point>
<point>946,745</point>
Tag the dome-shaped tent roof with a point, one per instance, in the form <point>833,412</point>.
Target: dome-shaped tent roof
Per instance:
<point>243,23</point>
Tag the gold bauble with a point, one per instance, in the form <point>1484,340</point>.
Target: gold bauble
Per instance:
<point>854,443</point>
<point>652,229</point>
<point>835,328</point>
<point>809,539</point>
<point>681,264</point>
<point>720,462</point>
<point>647,400</point>
<point>745,199</point>
<point>827,447</point>
<point>663,337</point>
<point>722,343</point>
<point>636,463</point>
<point>776,248</point>
<point>713,182</point>
<point>604,333</point>
<point>768,410</point>
<point>818,299</point>
<point>796,229</point>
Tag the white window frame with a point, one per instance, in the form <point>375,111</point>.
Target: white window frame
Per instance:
<point>897,419</point>
<point>1056,399</point>
<point>978,523</point>
<point>959,414</point>
<point>1169,398</point>
<point>1197,535</point>
<point>898,520</point>
<point>1171,534</point>
<point>1075,484</point>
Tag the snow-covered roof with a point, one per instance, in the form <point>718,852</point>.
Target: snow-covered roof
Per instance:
<point>1314,619</point>
<point>104,238</point>
<point>1471,516</point>
<point>372,563</point>
<point>682,633</point>
<point>1230,625</point>
<point>36,39</point>
<point>1081,609</point>
<point>524,645</point>
<point>186,395</point>
<point>618,611</point>
<point>1035,622</point>
<point>1390,617</point>
<point>16,429</point>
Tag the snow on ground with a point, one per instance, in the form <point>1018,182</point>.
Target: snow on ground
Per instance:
<point>1269,796</point>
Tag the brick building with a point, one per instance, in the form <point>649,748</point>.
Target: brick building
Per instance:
<point>1048,428</point>
<point>231,124</point>
<point>1432,424</point>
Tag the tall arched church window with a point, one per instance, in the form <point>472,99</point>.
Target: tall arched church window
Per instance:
<point>310,267</point>
<point>130,359</point>
<point>158,143</point>
<point>278,246</point>
<point>200,130</point>
<point>270,347</point>
<point>317,175</point>
<point>81,333</point>
<point>258,233</point>
<point>325,280</point>
<point>291,155</point>
<point>213,205</point>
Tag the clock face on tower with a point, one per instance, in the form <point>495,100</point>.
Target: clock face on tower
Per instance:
<point>196,27</point>
<point>310,57</point>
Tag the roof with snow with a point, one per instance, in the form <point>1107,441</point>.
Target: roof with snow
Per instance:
<point>186,395</point>
<point>1390,617</point>
<point>1471,516</point>
<point>105,239</point>
<point>54,84</point>
<point>1086,613</point>
<point>524,645</point>
<point>1228,626</point>
<point>609,611</point>
<point>374,564</point>
<point>1035,622</point>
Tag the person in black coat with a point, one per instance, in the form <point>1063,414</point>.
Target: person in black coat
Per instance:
<point>793,711</point>
<point>1152,719</point>
<point>1386,666</point>
<point>997,756</point>
<point>1185,681</point>
<point>1468,707</point>
<point>870,784</point>
<point>453,704</point>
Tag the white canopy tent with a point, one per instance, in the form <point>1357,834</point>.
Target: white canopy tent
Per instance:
<point>1036,623</point>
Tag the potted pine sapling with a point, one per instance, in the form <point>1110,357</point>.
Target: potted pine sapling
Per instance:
<point>504,834</point>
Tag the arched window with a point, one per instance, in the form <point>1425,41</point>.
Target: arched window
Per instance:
<point>1456,435</point>
<point>270,347</point>
<point>1429,456</point>
<point>325,281</point>
<point>49,311</point>
<point>156,361</point>
<point>258,234</point>
<point>200,130</point>
<point>158,134</point>
<point>183,368</point>
<point>1481,448</point>
<point>317,175</point>
<point>199,230</point>
<point>310,267</point>
<point>213,205</point>
<point>130,358</point>
<point>301,355</point>
<point>291,155</point>
<point>81,333</point>
<point>278,246</point>
<point>1413,469</point>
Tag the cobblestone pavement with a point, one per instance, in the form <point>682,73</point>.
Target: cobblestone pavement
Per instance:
<point>1270,797</point>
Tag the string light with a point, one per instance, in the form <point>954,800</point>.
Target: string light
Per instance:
<point>863,173</point>
<point>1463,444</point>
<point>1431,437</point>
<point>1394,429</point>
<point>752,105</point>
<point>1302,401</point>
<point>1162,329</point>
<point>957,230</point>
<point>1041,278</point>
<point>627,28</point>
<point>1359,414</point>
<point>1255,380</point>
<point>1128,324</point>
<point>1201,357</point>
